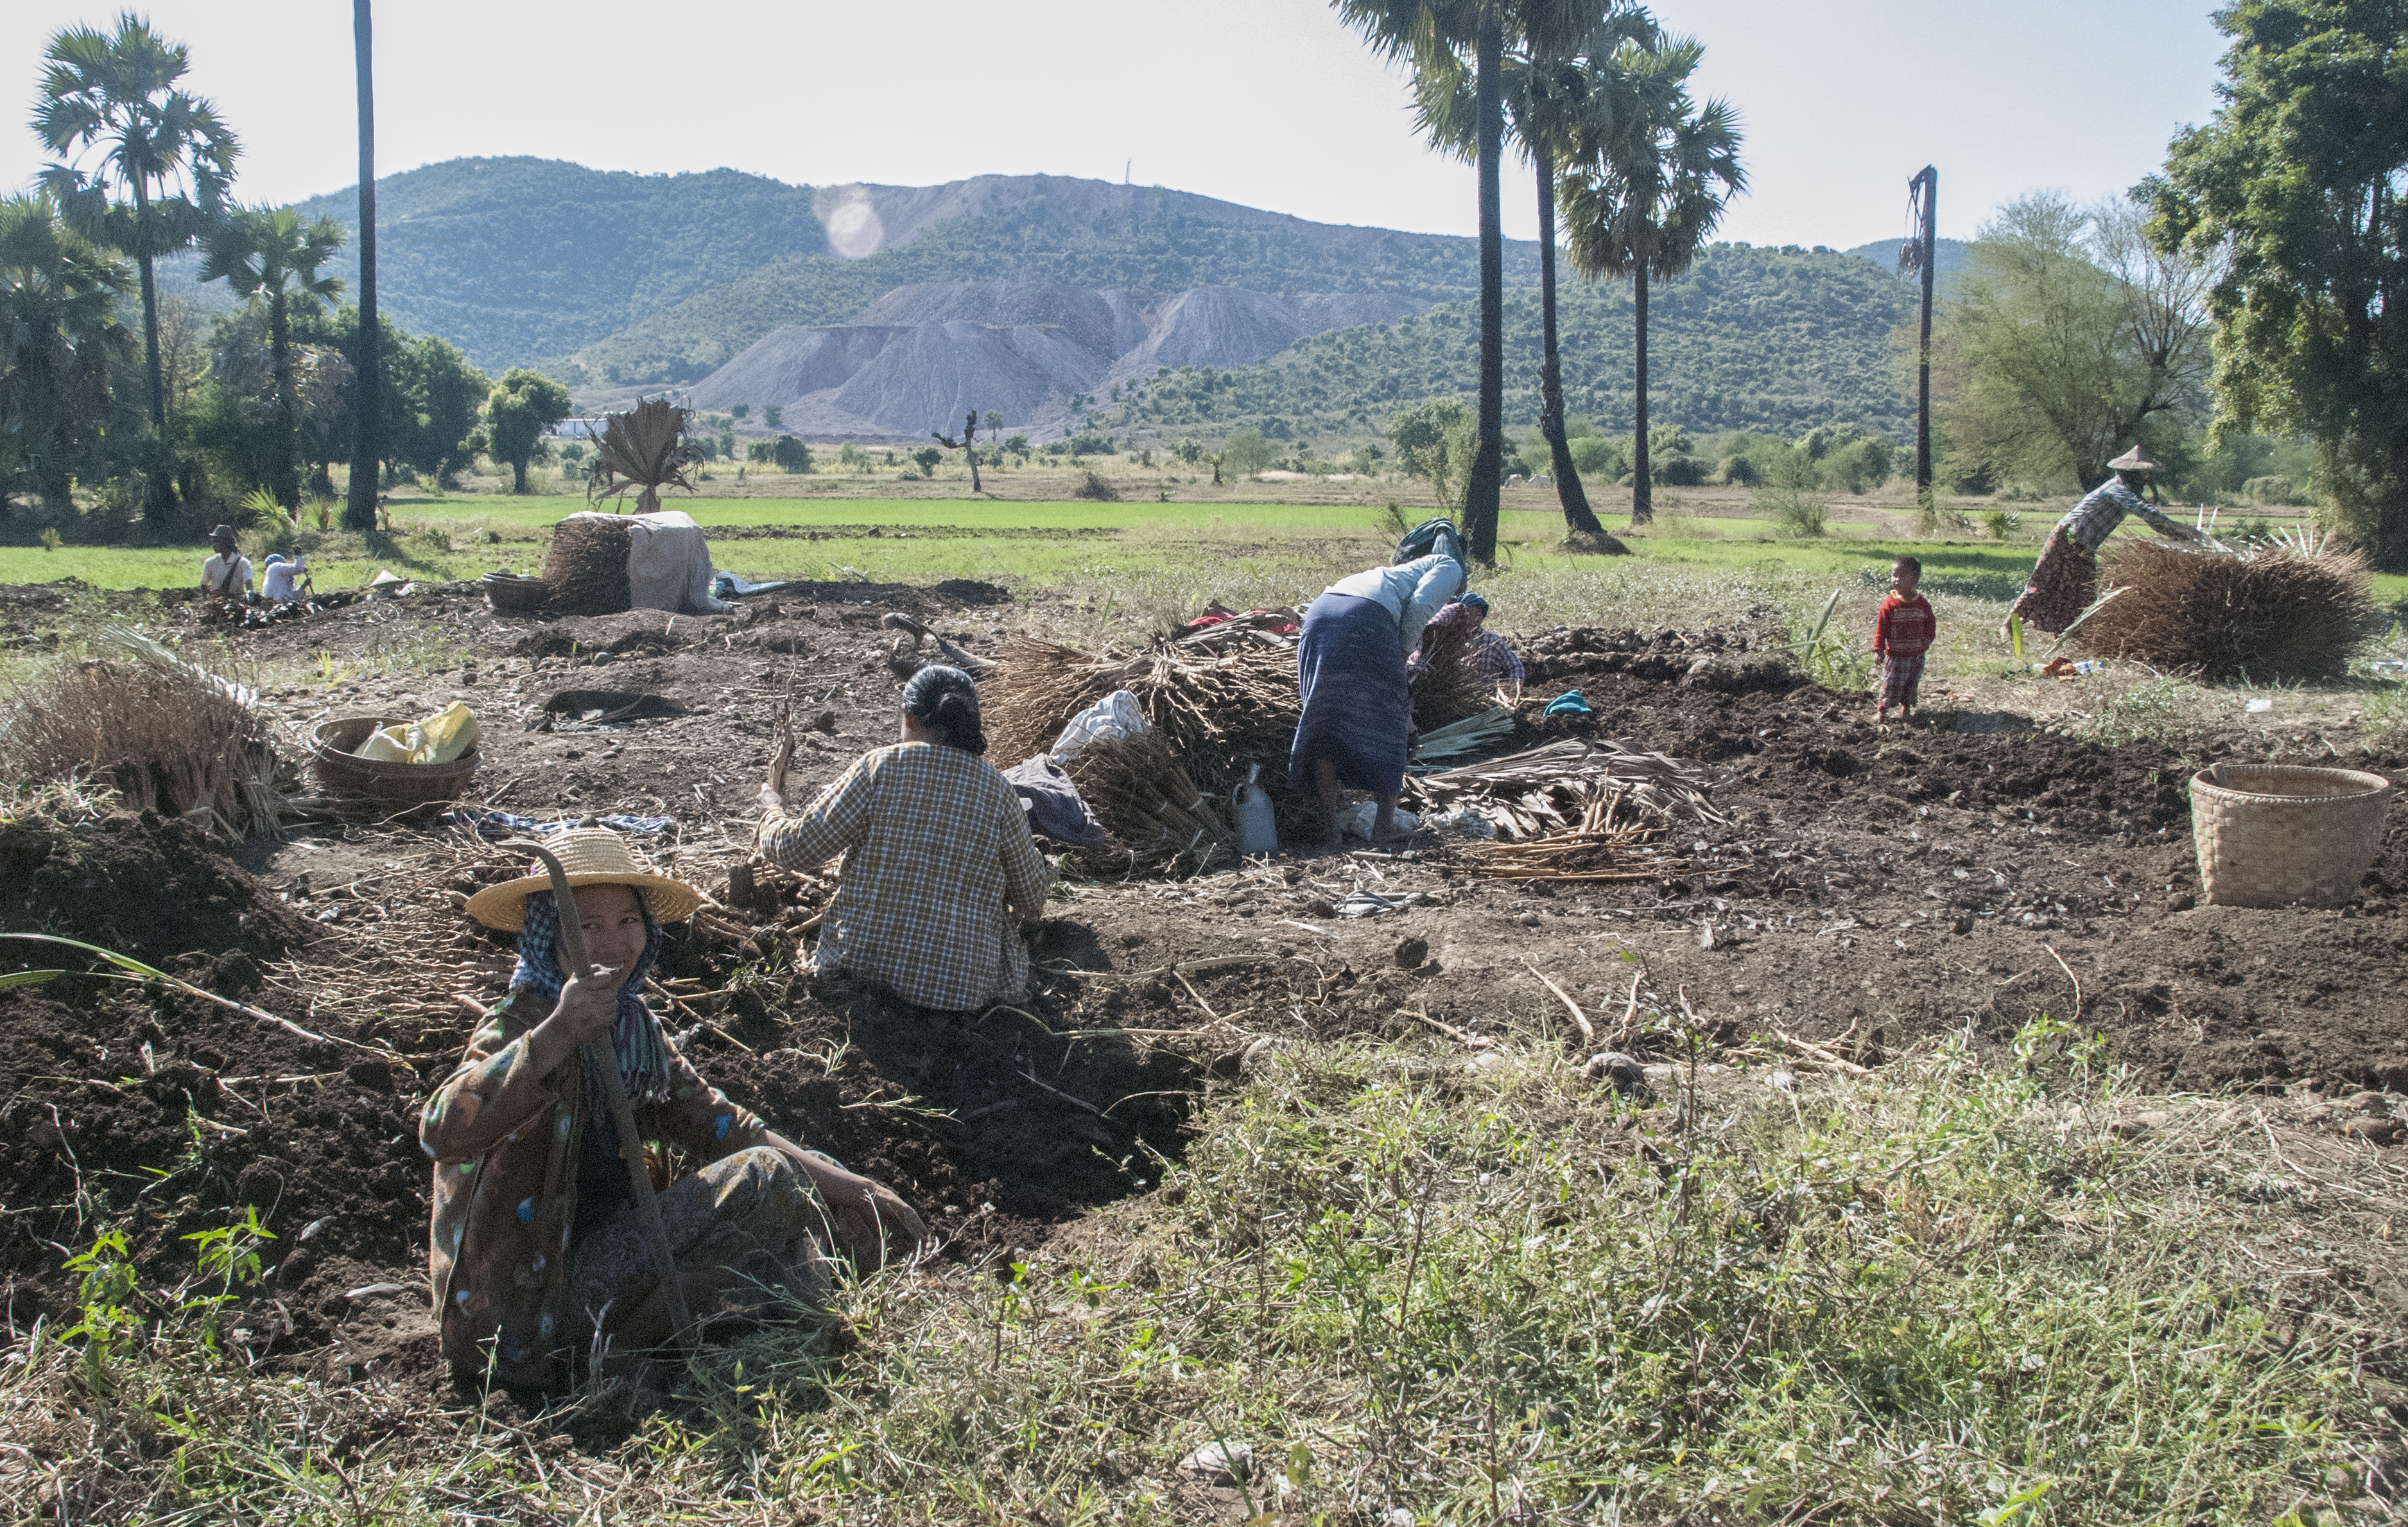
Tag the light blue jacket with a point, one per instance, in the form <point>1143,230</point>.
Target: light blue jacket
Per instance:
<point>1411,591</point>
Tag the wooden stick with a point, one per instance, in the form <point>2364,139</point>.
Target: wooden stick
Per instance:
<point>1629,1013</point>
<point>1478,1042</point>
<point>1825,1057</point>
<point>2070,976</point>
<point>623,1112</point>
<point>1588,1033</point>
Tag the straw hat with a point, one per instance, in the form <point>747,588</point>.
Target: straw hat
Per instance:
<point>2132,461</point>
<point>223,536</point>
<point>592,856</point>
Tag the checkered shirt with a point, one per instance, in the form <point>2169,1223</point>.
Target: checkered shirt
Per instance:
<point>934,846</point>
<point>2089,523</point>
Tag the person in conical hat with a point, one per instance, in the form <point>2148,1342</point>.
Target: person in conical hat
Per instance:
<point>2065,579</point>
<point>535,1248</point>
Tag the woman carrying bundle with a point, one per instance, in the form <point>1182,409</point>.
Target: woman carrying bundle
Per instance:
<point>536,1251</point>
<point>2066,577</point>
<point>938,867</point>
<point>1349,675</point>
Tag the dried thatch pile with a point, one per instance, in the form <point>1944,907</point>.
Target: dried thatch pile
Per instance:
<point>586,566</point>
<point>2294,609</point>
<point>166,736</point>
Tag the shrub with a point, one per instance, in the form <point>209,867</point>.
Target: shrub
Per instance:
<point>1095,487</point>
<point>2000,524</point>
<point>1789,495</point>
<point>927,456</point>
<point>1597,456</point>
<point>791,455</point>
<point>1246,453</point>
<point>1740,472</point>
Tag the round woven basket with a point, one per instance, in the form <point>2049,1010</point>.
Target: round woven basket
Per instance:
<point>2279,835</point>
<point>509,594</point>
<point>341,773</point>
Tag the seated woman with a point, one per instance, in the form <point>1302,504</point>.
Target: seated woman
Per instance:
<point>937,853</point>
<point>1488,656</point>
<point>1349,675</point>
<point>535,1250</point>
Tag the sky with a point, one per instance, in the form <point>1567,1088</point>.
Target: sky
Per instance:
<point>1270,103</point>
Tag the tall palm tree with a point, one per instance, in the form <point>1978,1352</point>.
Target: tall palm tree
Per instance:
<point>1544,96</point>
<point>367,353</point>
<point>1643,195</point>
<point>163,158</point>
<point>270,256</point>
<point>1436,35</point>
<point>59,340</point>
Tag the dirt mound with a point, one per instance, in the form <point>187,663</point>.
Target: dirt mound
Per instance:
<point>150,886</point>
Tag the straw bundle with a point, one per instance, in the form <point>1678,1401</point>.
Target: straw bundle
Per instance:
<point>168,736</point>
<point>1449,688</point>
<point>1147,802</point>
<point>2298,609</point>
<point>1596,847</point>
<point>586,566</point>
<point>1554,788</point>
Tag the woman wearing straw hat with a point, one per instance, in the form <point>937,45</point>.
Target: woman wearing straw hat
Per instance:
<point>536,1248</point>
<point>226,575</point>
<point>938,866</point>
<point>2066,577</point>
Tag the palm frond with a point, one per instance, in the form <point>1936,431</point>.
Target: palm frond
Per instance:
<point>642,451</point>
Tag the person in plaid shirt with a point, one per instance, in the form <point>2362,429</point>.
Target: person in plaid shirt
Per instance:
<point>1902,633</point>
<point>937,861</point>
<point>2065,579</point>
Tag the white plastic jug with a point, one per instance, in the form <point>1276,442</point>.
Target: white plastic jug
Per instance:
<point>1258,832</point>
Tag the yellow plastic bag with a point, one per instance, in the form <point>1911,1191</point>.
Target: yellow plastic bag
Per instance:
<point>446,735</point>
<point>389,745</point>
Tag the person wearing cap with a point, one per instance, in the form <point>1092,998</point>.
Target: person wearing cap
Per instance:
<point>281,582</point>
<point>940,873</point>
<point>535,1252</point>
<point>2065,579</point>
<point>1355,710</point>
<point>1488,656</point>
<point>227,574</point>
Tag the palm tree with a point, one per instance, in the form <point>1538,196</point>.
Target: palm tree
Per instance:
<point>268,257</point>
<point>160,149</point>
<point>1436,35</point>
<point>1544,97</point>
<point>1642,194</point>
<point>367,355</point>
<point>59,340</point>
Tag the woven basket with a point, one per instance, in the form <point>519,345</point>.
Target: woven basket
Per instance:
<point>368,780</point>
<point>509,594</point>
<point>2277,835</point>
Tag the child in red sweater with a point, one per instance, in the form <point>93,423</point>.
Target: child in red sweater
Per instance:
<point>1902,633</point>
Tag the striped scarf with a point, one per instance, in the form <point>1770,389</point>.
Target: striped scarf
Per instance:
<point>642,1050</point>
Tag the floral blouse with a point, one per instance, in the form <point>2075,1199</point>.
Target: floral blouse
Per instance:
<point>506,1144</point>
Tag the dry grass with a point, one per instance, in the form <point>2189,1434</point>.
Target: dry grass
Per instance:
<point>2290,610</point>
<point>586,566</point>
<point>165,735</point>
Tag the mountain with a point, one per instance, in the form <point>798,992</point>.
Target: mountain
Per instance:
<point>1750,339</point>
<point>924,354</point>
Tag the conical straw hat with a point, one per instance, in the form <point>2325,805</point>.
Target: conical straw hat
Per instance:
<point>592,856</point>
<point>2132,461</point>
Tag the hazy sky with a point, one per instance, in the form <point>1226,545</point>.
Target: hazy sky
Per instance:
<point>1266,102</point>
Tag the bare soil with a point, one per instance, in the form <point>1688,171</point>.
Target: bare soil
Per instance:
<point>1870,889</point>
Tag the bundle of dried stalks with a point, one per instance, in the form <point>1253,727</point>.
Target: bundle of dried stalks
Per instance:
<point>1154,812</point>
<point>586,566</point>
<point>1596,847</point>
<point>642,451</point>
<point>2298,609</point>
<point>1554,788</point>
<point>1448,687</point>
<point>166,735</point>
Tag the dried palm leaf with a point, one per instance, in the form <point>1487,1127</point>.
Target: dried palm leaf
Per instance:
<point>643,449</point>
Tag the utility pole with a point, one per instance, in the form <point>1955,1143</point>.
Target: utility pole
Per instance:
<point>367,387</point>
<point>1919,254</point>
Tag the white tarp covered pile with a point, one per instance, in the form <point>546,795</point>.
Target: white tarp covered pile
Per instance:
<point>668,563</point>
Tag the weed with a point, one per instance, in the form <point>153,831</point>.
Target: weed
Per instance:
<point>50,538</point>
<point>2147,710</point>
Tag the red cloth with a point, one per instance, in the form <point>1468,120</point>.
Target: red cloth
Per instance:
<point>1904,628</point>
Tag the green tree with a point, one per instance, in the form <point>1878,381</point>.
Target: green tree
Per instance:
<point>1644,188</point>
<point>1434,443</point>
<point>1246,451</point>
<point>791,455</point>
<point>927,456</point>
<point>161,161</point>
<point>1544,97</point>
<point>268,257</point>
<point>59,340</point>
<point>2064,362</point>
<point>2297,181</point>
<point>524,405</point>
<point>1439,36</point>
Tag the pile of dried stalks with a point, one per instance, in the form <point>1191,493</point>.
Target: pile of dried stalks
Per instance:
<point>1449,688</point>
<point>2298,609</point>
<point>1154,812</point>
<point>166,735</point>
<point>1554,788</point>
<point>1596,847</point>
<point>586,566</point>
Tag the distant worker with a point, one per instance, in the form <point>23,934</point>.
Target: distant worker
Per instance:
<point>1351,677</point>
<point>1488,656</point>
<point>285,583</point>
<point>226,575</point>
<point>1902,633</point>
<point>938,866</point>
<point>2066,577</point>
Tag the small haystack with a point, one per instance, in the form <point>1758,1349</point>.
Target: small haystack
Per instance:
<point>586,565</point>
<point>166,735</point>
<point>2295,608</point>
